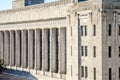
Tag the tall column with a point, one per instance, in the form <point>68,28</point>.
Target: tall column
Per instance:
<point>38,49</point>
<point>62,50</point>
<point>1,44</point>
<point>45,49</point>
<point>12,48</point>
<point>53,50</point>
<point>6,47</point>
<point>24,45</point>
<point>17,48</point>
<point>31,47</point>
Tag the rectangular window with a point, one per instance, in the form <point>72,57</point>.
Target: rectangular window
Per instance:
<point>119,51</point>
<point>94,51</point>
<point>94,73</point>
<point>86,72</point>
<point>94,30</point>
<point>119,29</point>
<point>85,30</point>
<point>82,71</point>
<point>71,50</point>
<point>109,51</point>
<point>71,70</point>
<point>110,74</point>
<point>82,51</point>
<point>109,30</point>
<point>86,51</point>
<point>71,31</point>
<point>119,72</point>
<point>81,30</point>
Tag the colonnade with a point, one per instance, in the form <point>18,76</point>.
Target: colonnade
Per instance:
<point>40,49</point>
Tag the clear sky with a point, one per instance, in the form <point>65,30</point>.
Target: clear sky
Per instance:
<point>7,4</point>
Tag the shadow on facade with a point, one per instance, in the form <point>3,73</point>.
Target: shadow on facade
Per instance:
<point>24,74</point>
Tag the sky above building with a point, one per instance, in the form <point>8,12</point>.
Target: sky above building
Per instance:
<point>7,4</point>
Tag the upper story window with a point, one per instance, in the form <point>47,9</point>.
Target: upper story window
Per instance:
<point>94,30</point>
<point>32,2</point>
<point>81,0</point>
<point>119,29</point>
<point>109,30</point>
<point>84,30</point>
<point>84,51</point>
<point>119,51</point>
<point>109,51</point>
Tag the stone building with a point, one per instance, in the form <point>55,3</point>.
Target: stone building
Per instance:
<point>63,40</point>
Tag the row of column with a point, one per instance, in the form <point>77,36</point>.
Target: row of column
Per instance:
<point>40,49</point>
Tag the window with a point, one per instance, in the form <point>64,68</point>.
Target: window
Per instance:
<point>29,2</point>
<point>119,72</point>
<point>94,70</point>
<point>86,72</point>
<point>86,50</point>
<point>81,0</point>
<point>81,30</point>
<point>94,51</point>
<point>109,30</point>
<point>94,30</point>
<point>82,51</point>
<point>110,74</point>
<point>119,30</point>
<point>84,30</point>
<point>119,51</point>
<point>109,51</point>
<point>71,31</point>
<point>71,70</point>
<point>82,71</point>
<point>71,50</point>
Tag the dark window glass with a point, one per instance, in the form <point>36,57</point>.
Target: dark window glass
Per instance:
<point>85,30</point>
<point>119,29</point>
<point>94,51</point>
<point>119,51</point>
<point>81,30</point>
<point>119,72</point>
<point>86,72</point>
<point>82,71</point>
<point>94,30</point>
<point>82,51</point>
<point>71,70</point>
<point>110,74</point>
<point>109,30</point>
<point>94,73</point>
<point>109,51</point>
<point>86,51</point>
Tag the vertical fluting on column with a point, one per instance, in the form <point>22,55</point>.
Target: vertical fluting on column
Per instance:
<point>62,50</point>
<point>1,44</point>
<point>53,50</point>
<point>6,47</point>
<point>12,48</point>
<point>45,50</point>
<point>38,49</point>
<point>31,53</point>
<point>24,48</point>
<point>17,48</point>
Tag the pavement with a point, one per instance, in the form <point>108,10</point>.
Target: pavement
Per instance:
<point>10,77</point>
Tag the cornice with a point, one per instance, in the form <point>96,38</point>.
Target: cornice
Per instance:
<point>32,21</point>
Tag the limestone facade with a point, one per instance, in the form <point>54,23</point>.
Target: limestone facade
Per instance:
<point>63,40</point>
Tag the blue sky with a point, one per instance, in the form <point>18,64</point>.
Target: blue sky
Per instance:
<point>7,4</point>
